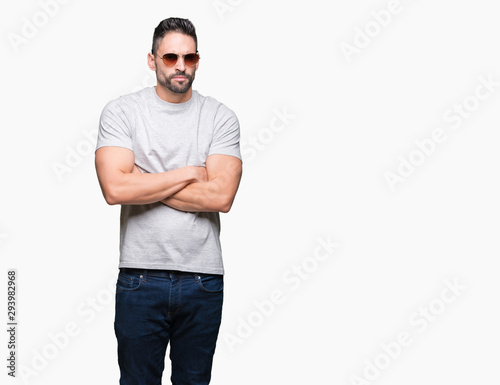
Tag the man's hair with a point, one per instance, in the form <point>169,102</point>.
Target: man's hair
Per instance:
<point>173,24</point>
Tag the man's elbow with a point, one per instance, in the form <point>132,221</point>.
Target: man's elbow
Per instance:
<point>110,190</point>
<point>225,209</point>
<point>225,204</point>
<point>112,196</point>
<point>110,199</point>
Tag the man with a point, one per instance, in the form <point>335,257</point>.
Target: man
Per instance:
<point>171,158</point>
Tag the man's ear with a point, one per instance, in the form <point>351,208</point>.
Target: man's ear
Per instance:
<point>151,62</point>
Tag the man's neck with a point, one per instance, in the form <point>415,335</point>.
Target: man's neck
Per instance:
<point>171,97</point>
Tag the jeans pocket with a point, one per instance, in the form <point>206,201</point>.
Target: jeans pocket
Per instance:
<point>210,283</point>
<point>128,282</point>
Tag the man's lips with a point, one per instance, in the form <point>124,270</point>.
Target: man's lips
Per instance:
<point>179,78</point>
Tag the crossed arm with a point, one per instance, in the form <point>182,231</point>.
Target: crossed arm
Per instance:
<point>190,188</point>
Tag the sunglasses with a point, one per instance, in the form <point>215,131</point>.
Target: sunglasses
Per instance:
<point>169,59</point>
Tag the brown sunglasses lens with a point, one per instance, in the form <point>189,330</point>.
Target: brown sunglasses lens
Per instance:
<point>191,59</point>
<point>171,58</point>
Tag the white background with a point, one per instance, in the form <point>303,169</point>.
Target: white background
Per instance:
<point>356,117</point>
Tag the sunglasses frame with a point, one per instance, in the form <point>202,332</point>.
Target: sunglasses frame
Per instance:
<point>183,58</point>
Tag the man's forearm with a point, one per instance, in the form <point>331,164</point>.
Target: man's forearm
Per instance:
<point>151,188</point>
<point>200,197</point>
<point>142,188</point>
<point>123,183</point>
<point>217,193</point>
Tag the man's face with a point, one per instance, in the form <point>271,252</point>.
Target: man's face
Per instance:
<point>178,78</point>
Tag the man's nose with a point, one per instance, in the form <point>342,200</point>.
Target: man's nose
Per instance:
<point>180,65</point>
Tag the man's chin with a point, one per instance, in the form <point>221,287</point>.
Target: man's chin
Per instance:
<point>175,90</point>
<point>179,89</point>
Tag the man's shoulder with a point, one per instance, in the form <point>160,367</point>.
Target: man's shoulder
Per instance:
<point>211,103</point>
<point>126,100</point>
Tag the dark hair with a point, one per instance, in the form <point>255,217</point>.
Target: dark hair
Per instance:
<point>173,24</point>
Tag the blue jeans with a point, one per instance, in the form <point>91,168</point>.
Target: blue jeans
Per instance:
<point>155,307</point>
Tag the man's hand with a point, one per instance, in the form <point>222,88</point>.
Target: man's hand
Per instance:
<point>217,193</point>
<point>200,174</point>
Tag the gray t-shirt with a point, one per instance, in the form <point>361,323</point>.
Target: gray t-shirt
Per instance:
<point>166,136</point>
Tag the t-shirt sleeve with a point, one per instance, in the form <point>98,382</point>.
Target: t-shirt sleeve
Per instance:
<point>114,127</point>
<point>226,138</point>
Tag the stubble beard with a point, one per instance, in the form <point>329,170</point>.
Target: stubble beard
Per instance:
<point>177,88</point>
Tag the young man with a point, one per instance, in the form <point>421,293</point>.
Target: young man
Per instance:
<point>171,158</point>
